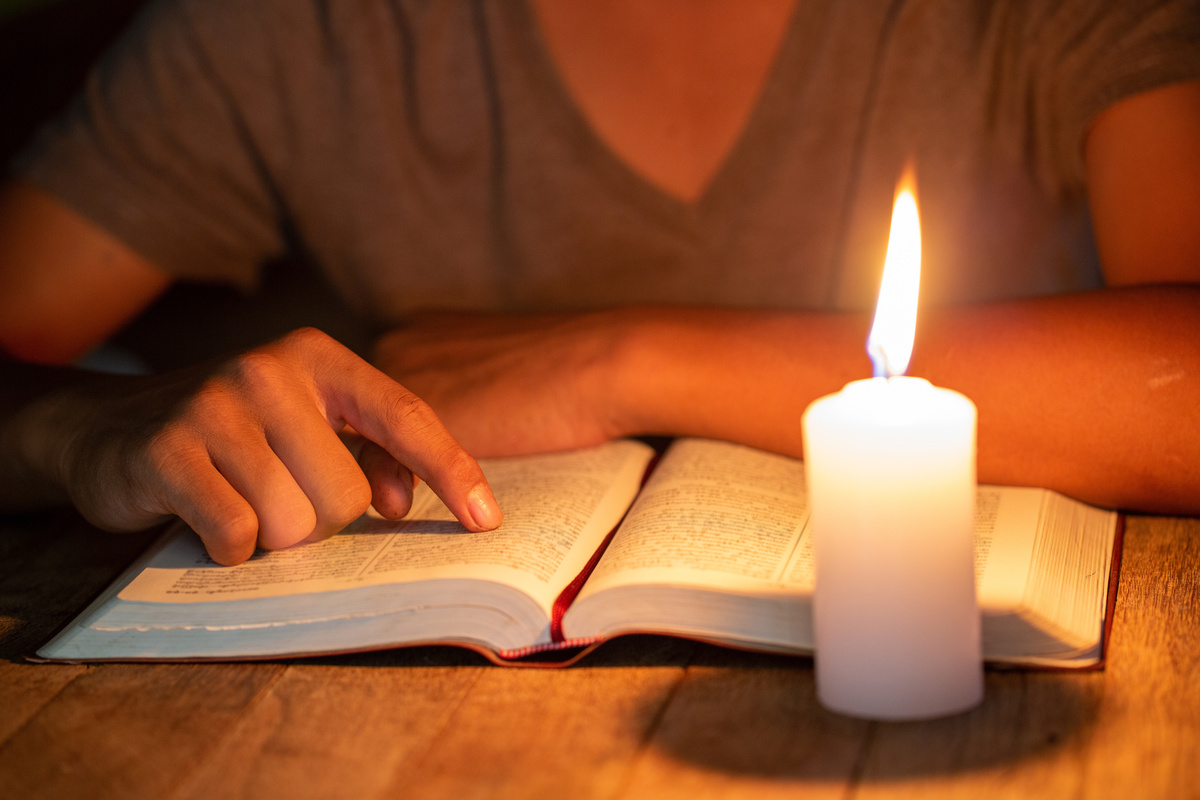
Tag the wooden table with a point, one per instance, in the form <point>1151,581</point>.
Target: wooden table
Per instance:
<point>644,717</point>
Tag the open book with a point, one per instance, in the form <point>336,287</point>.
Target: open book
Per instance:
<point>714,546</point>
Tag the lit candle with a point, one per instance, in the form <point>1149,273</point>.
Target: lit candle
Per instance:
<point>890,466</point>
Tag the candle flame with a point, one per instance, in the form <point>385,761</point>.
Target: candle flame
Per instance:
<point>890,343</point>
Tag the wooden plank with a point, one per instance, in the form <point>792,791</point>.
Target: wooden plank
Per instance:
<point>377,724</point>
<point>526,733</point>
<point>334,731</point>
<point>25,688</point>
<point>745,725</point>
<point>129,730</point>
<point>1147,735</point>
<point>1042,722</point>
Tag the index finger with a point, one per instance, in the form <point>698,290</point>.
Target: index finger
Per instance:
<point>383,411</point>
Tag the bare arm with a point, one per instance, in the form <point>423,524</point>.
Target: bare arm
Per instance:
<point>246,451</point>
<point>65,284</point>
<point>1091,394</point>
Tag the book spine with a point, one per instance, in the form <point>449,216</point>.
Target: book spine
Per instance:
<point>571,591</point>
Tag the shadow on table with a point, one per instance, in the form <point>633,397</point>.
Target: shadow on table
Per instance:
<point>52,564</point>
<point>626,651</point>
<point>757,715</point>
<point>768,723</point>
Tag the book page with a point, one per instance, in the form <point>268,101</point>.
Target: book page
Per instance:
<point>1068,580</point>
<point>1006,524</point>
<point>557,511</point>
<point>717,515</point>
<point>725,516</point>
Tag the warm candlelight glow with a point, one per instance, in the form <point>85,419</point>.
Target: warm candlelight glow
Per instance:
<point>890,343</point>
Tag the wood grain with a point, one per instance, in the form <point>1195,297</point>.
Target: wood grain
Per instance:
<point>1041,722</point>
<point>549,734</point>
<point>1146,740</point>
<point>129,730</point>
<point>25,688</point>
<point>745,725</point>
<point>334,731</point>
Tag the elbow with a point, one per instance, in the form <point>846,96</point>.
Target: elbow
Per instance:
<point>38,347</point>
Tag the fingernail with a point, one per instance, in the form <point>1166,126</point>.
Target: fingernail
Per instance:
<point>485,512</point>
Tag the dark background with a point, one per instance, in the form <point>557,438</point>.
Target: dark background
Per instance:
<point>46,50</point>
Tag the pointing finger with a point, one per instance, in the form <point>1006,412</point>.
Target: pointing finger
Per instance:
<point>386,413</point>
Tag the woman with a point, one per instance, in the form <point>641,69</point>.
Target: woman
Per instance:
<point>680,208</point>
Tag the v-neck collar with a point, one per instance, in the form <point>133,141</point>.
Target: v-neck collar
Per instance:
<point>614,169</point>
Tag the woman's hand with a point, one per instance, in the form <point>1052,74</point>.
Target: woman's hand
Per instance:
<point>516,384</point>
<point>248,452</point>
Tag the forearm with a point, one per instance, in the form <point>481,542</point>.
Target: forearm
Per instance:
<point>31,431</point>
<point>1094,395</point>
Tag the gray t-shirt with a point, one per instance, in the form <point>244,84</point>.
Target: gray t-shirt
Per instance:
<point>426,153</point>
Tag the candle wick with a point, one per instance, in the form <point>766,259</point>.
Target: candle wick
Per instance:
<point>880,367</point>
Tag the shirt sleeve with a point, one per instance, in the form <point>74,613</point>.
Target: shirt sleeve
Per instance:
<point>168,146</point>
<point>1078,57</point>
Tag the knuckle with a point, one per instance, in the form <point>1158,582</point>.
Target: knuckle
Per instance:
<point>349,502</point>
<point>173,453</point>
<point>211,400</point>
<point>458,465</point>
<point>286,524</point>
<point>308,339</point>
<point>404,411</point>
<point>252,382</point>
<point>259,372</point>
<point>231,536</point>
<point>239,528</point>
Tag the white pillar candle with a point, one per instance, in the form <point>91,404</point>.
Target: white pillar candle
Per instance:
<point>891,481</point>
<point>890,465</point>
